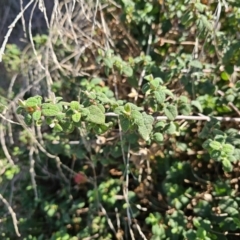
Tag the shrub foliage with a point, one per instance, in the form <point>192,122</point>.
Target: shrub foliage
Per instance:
<point>121,122</point>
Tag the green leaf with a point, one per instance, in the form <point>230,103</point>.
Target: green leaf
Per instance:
<point>68,127</point>
<point>108,62</point>
<point>225,76</point>
<point>127,70</point>
<point>228,149</point>
<point>91,95</point>
<point>197,104</point>
<point>28,119</point>
<point>227,166</point>
<point>50,109</point>
<point>58,99</point>
<point>200,7</point>
<point>21,103</point>
<point>125,123</point>
<point>168,92</point>
<point>76,117</point>
<point>183,99</point>
<point>196,64</point>
<point>230,97</point>
<point>60,116</point>
<point>19,110</point>
<point>215,154</point>
<point>95,115</point>
<point>85,112</point>
<point>158,137</point>
<point>170,111</point>
<point>154,84</point>
<point>101,107</point>
<point>58,128</point>
<point>149,77</point>
<point>185,109</point>
<point>31,102</point>
<point>137,117</point>
<point>127,108</point>
<point>37,115</point>
<point>160,96</point>
<point>103,98</point>
<point>159,80</point>
<point>74,105</point>
<point>96,81</point>
<point>215,145</point>
<point>146,128</point>
<point>206,22</point>
<point>170,128</point>
<point>206,144</point>
<point>145,87</point>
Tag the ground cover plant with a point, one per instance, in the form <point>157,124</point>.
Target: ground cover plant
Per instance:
<point>120,120</point>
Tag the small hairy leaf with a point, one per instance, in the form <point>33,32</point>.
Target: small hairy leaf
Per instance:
<point>145,87</point>
<point>170,128</point>
<point>183,99</point>
<point>101,107</point>
<point>206,22</point>
<point>127,108</point>
<point>227,166</point>
<point>96,81</point>
<point>158,137</point>
<point>108,62</point>
<point>143,131</point>
<point>215,154</point>
<point>228,149</point>
<point>103,98</point>
<point>76,117</point>
<point>197,104</point>
<point>50,109</point>
<point>145,127</point>
<point>149,77</point>
<point>168,92</point>
<point>31,102</point>
<point>127,70</point>
<point>95,115</point>
<point>225,76</point>
<point>137,117</point>
<point>125,123</point>
<point>200,7</point>
<point>37,115</point>
<point>28,119</point>
<point>60,116</point>
<point>68,127</point>
<point>119,110</point>
<point>74,105</point>
<point>58,128</point>
<point>154,84</point>
<point>19,110</point>
<point>206,144</point>
<point>196,64</point>
<point>170,111</point>
<point>215,145</point>
<point>160,96</point>
<point>185,109</point>
<point>85,112</point>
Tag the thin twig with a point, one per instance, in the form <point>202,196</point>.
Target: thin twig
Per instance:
<point>12,25</point>
<point>183,117</point>
<point>229,103</point>
<point>4,147</point>
<point>14,219</point>
<point>32,172</point>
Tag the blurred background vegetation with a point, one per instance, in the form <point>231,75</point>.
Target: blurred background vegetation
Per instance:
<point>182,182</point>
